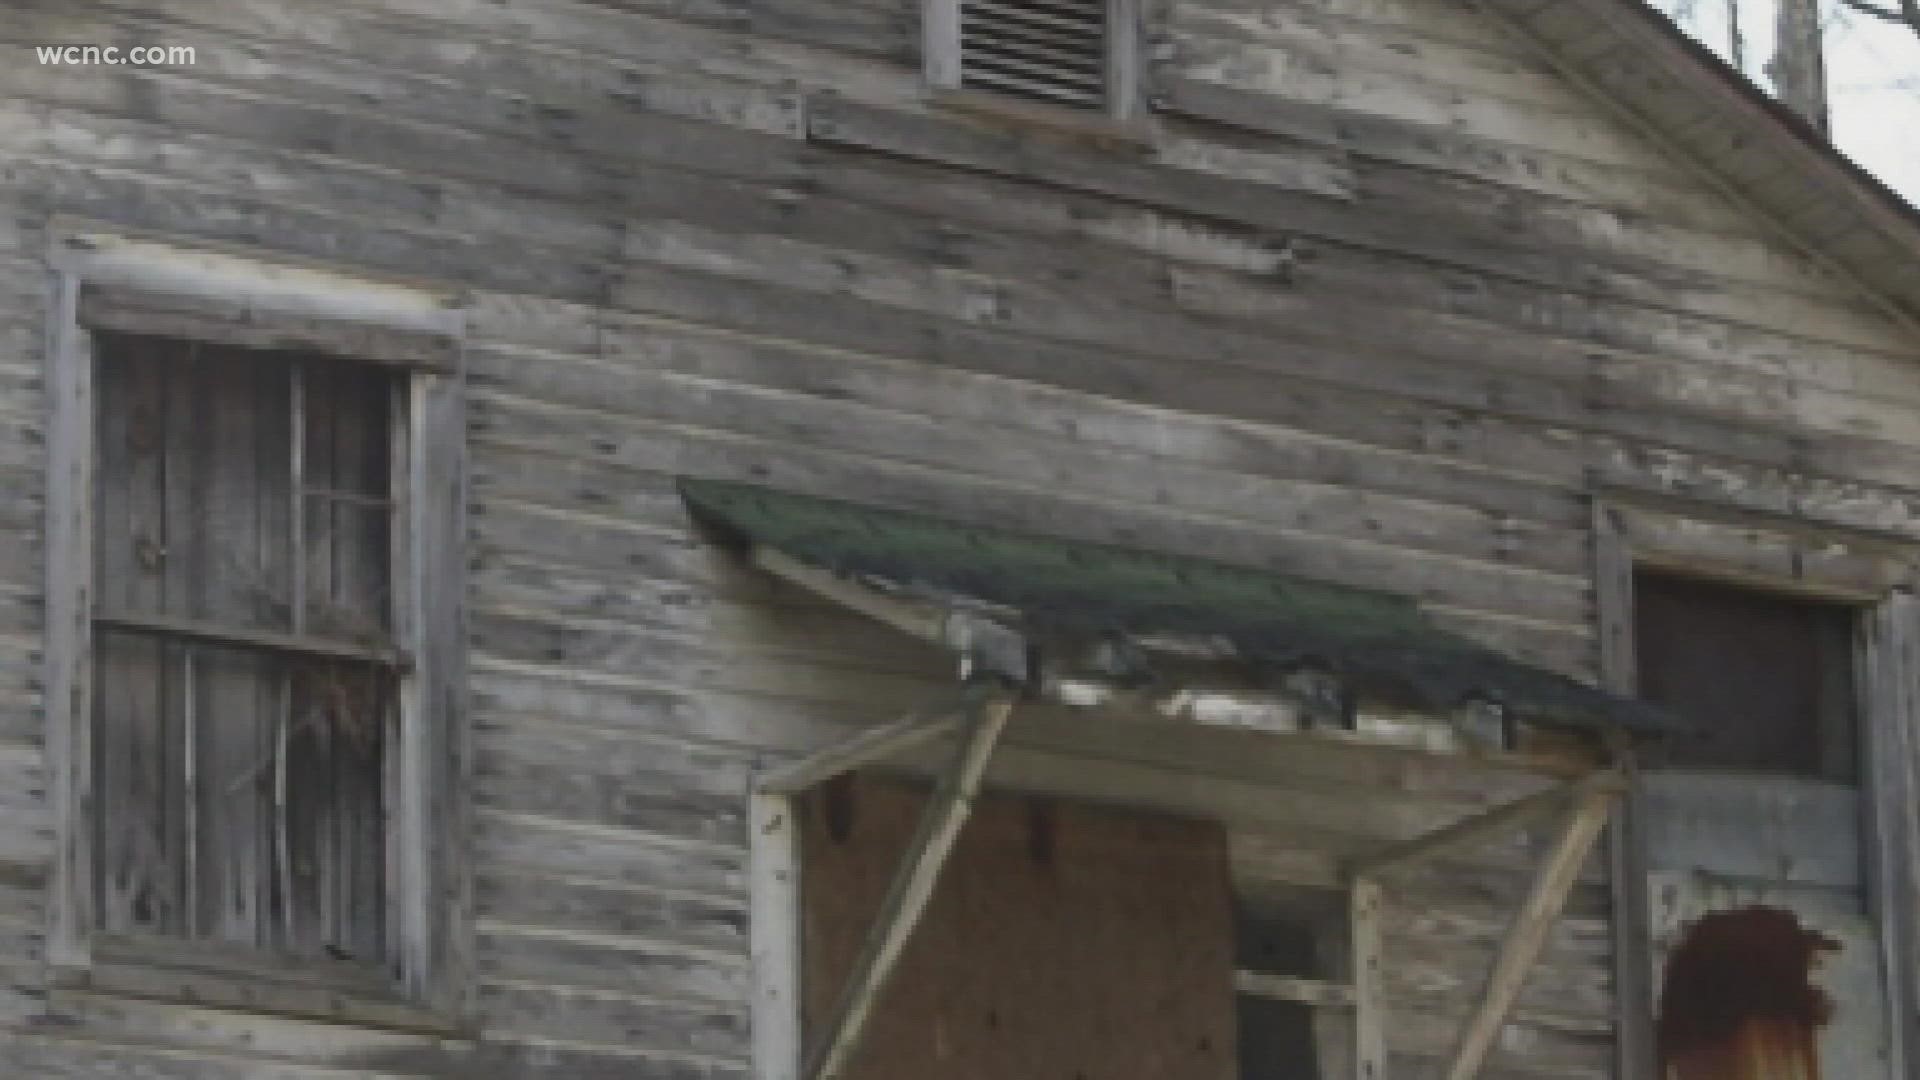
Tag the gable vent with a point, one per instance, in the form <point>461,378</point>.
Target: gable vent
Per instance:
<point>1049,50</point>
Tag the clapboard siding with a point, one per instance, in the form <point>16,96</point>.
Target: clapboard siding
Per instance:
<point>1380,302</point>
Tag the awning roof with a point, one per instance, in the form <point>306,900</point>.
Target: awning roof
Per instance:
<point>1068,590</point>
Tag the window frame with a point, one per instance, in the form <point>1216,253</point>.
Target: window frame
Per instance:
<point>103,280</point>
<point>941,58</point>
<point>1875,575</point>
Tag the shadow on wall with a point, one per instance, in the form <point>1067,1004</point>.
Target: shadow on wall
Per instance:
<point>1738,1001</point>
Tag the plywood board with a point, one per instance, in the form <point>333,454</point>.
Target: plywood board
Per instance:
<point>1063,940</point>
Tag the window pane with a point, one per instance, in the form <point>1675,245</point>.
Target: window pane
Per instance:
<point>346,509</point>
<point>193,499</point>
<point>240,796</point>
<point>1767,679</point>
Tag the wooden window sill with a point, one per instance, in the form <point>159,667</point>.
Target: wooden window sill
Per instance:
<point>1130,133</point>
<point>218,976</point>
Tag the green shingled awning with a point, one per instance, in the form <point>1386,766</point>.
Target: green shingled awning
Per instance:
<point>1064,589</point>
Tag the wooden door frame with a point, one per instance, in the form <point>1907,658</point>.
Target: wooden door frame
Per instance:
<point>1873,574</point>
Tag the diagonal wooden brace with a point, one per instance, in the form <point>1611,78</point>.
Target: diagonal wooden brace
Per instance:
<point>935,720</point>
<point>1528,932</point>
<point>1482,827</point>
<point>912,887</point>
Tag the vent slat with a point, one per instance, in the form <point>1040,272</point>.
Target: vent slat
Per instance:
<point>1024,35</point>
<point>1053,50</point>
<point>1040,55</point>
<point>1090,22</point>
<point>1046,91</point>
<point>1035,71</point>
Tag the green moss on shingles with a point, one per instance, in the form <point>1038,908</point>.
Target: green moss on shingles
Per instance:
<point>1063,586</point>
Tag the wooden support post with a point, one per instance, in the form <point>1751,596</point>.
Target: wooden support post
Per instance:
<point>1369,997</point>
<point>774,928</point>
<point>1528,933</point>
<point>1480,827</point>
<point>912,887</point>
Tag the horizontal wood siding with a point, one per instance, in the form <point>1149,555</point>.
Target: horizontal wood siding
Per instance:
<point>1374,298</point>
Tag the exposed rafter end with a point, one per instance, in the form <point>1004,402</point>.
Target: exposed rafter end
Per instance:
<point>985,646</point>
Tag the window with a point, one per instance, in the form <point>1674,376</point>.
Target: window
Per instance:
<point>1766,679</point>
<point>1288,940</point>
<point>245,658</point>
<point>255,636</point>
<point>1077,54</point>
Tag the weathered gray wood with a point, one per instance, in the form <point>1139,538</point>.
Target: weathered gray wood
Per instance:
<point>1888,662</point>
<point>1790,829</point>
<point>940,42</point>
<point>775,935</point>
<point>135,310</point>
<point>1528,932</point>
<point>70,527</point>
<point>1627,870</point>
<point>140,873</point>
<point>1479,828</point>
<point>871,747</point>
<point>912,888</point>
<point>1369,966</point>
<point>427,790</point>
<point>1301,991</point>
<point>223,634</point>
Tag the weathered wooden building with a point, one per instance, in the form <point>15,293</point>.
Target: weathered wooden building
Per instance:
<point>487,478</point>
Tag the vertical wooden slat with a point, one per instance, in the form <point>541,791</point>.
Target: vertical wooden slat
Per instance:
<point>1633,992</point>
<point>1887,666</point>
<point>430,806</point>
<point>1369,996</point>
<point>1124,62</point>
<point>68,375</point>
<point>289,711</point>
<point>774,927</point>
<point>940,42</point>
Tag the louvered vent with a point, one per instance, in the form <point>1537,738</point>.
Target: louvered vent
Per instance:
<point>1049,50</point>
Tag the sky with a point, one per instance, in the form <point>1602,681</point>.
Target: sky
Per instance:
<point>1873,75</point>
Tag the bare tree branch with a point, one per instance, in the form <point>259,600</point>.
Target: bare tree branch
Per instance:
<point>1907,14</point>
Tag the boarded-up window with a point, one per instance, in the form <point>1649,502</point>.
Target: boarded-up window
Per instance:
<point>1765,679</point>
<point>1064,940</point>
<point>244,655</point>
